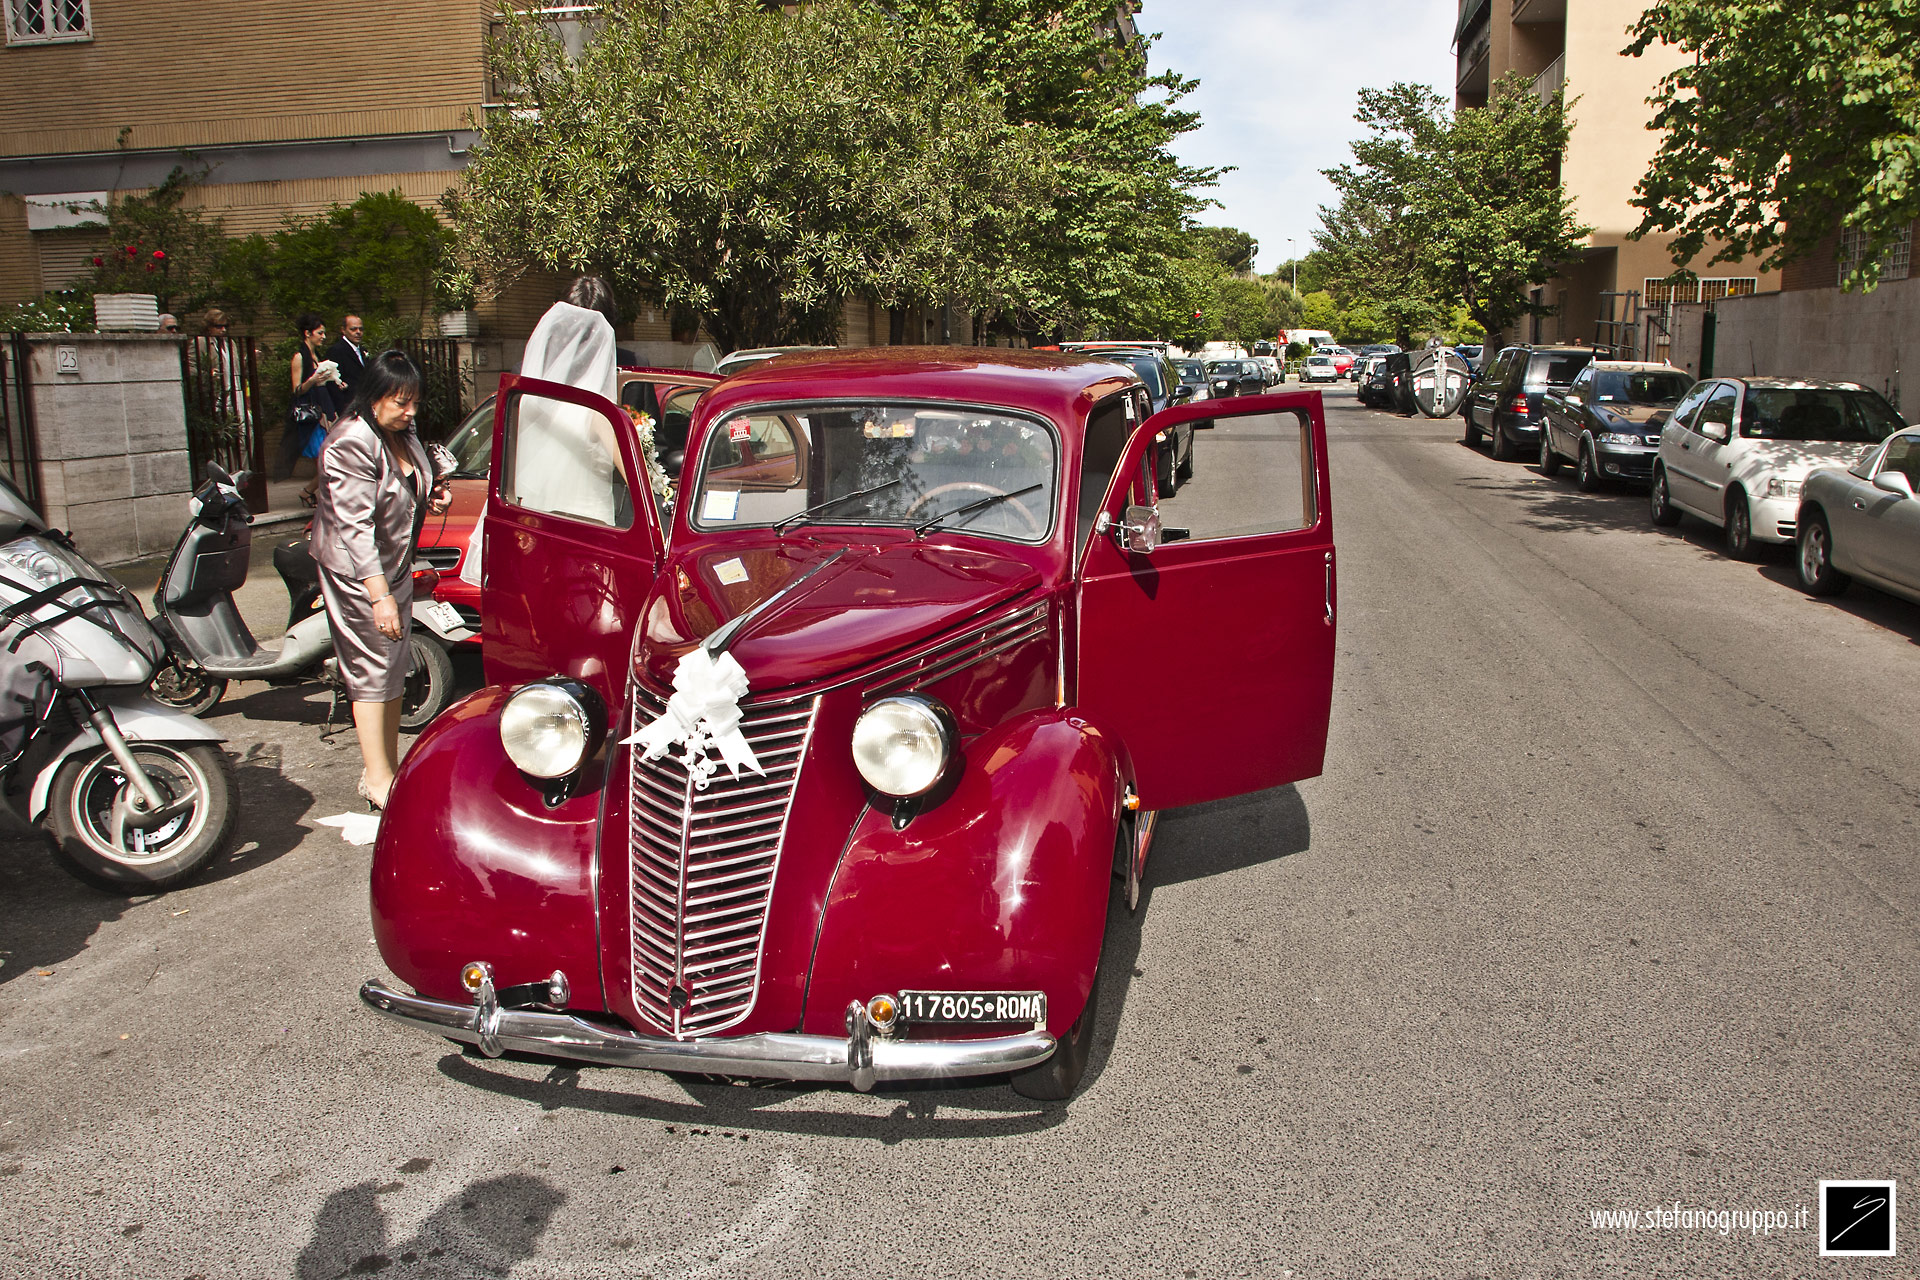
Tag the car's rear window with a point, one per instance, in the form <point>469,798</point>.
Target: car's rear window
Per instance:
<point>1557,369</point>
<point>1827,414</point>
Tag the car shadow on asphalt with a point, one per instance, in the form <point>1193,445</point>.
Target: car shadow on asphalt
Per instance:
<point>1865,603</point>
<point>49,916</point>
<point>484,1229</point>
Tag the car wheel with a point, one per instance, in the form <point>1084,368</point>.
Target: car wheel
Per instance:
<point>1163,472</point>
<point>1587,477</point>
<point>1184,472</point>
<point>1549,460</point>
<point>1818,577</point>
<point>1473,433</point>
<point>1500,447</point>
<point>1739,526</point>
<point>1055,1079</point>
<point>1664,513</point>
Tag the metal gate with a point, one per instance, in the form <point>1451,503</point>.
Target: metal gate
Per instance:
<point>20,451</point>
<point>442,402</point>
<point>219,382</point>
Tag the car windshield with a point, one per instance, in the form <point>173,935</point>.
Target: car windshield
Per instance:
<point>1319,359</point>
<point>1817,413</point>
<point>1226,368</point>
<point>878,464</point>
<point>472,442</point>
<point>1620,386</point>
<point>1189,370</point>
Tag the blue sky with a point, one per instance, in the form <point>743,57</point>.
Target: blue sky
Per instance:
<point>1277,85</point>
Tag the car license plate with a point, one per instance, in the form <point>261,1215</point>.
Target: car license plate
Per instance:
<point>973,1006</point>
<point>443,615</point>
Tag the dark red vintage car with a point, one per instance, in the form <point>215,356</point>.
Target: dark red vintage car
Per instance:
<point>837,788</point>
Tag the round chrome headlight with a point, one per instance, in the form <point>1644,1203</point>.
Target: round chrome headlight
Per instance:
<point>901,745</point>
<point>549,727</point>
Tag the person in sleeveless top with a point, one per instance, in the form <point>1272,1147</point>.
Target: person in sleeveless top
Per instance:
<point>317,398</point>
<point>377,486</point>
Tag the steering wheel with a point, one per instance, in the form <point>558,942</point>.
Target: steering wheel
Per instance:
<point>978,487</point>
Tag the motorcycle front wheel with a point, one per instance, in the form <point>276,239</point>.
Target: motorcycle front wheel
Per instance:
<point>429,687</point>
<point>100,838</point>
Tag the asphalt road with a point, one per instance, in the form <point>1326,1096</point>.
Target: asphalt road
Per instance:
<point>1605,900</point>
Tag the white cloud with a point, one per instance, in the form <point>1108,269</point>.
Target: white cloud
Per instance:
<point>1278,85</point>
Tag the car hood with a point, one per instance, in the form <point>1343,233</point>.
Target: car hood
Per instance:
<point>1637,415</point>
<point>872,600</point>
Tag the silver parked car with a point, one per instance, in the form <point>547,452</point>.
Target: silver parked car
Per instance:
<point>1864,522</point>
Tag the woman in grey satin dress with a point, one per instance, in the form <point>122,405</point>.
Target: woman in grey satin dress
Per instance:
<point>376,489</point>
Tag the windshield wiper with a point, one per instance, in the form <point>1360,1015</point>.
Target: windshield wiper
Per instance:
<point>780,526</point>
<point>920,530</point>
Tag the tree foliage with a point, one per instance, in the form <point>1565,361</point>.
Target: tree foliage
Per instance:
<point>1439,209</point>
<point>1791,118</point>
<point>751,167</point>
<point>377,258</point>
<point>1233,249</point>
<point>1103,248</point>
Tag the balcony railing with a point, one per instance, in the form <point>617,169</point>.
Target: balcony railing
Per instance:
<point>1550,81</point>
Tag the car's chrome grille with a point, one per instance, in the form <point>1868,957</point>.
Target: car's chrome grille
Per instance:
<point>962,651</point>
<point>701,870</point>
<point>441,558</point>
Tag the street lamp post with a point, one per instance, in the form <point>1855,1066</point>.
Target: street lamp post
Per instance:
<point>1295,263</point>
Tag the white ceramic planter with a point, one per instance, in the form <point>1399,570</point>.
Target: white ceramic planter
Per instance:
<point>459,324</point>
<point>126,312</point>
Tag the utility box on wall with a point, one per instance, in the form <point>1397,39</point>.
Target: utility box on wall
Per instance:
<point>112,432</point>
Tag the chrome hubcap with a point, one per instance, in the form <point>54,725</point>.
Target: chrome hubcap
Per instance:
<point>1813,553</point>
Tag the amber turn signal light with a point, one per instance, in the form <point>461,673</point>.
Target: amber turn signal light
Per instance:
<point>473,975</point>
<point>883,1012</point>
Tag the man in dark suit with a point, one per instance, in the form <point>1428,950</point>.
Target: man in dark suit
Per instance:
<point>348,354</point>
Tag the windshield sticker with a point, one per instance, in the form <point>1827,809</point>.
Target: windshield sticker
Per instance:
<point>739,431</point>
<point>901,429</point>
<point>730,572</point>
<point>721,504</point>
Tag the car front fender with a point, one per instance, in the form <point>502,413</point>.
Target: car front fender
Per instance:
<point>1001,886</point>
<point>471,864</point>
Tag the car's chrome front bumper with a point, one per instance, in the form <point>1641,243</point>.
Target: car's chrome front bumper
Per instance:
<point>860,1059</point>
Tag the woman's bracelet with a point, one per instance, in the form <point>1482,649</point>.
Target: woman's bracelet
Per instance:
<point>378,599</point>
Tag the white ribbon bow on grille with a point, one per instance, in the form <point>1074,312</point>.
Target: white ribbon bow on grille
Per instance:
<point>704,710</point>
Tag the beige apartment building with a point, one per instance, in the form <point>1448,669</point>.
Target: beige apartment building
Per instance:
<point>1616,293</point>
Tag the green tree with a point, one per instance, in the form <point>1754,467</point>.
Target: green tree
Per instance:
<point>745,165</point>
<point>1318,310</point>
<point>1464,209</point>
<point>1231,247</point>
<point>1102,248</point>
<point>378,258</point>
<point>1790,118</point>
<point>1250,311</point>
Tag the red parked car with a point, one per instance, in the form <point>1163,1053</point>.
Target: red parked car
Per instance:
<point>666,395</point>
<point>834,783</point>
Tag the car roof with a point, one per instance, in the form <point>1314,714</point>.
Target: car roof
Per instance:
<point>1058,386</point>
<point>1635,366</point>
<point>1793,384</point>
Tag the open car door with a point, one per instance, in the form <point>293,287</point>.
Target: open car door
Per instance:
<point>572,538</point>
<point>1206,619</point>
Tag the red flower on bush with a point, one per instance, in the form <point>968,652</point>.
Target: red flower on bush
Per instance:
<point>99,262</point>
<point>149,266</point>
<point>159,255</point>
<point>129,251</point>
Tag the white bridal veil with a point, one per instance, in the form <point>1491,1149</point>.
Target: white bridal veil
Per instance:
<point>562,464</point>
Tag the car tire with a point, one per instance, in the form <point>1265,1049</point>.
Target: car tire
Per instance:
<point>1184,472</point>
<point>429,686</point>
<point>1055,1079</point>
<point>1739,526</point>
<point>1549,460</point>
<point>1659,505</point>
<point>1472,437</point>
<point>1814,563</point>
<point>1499,446</point>
<point>1587,475</point>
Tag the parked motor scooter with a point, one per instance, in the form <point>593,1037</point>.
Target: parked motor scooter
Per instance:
<point>209,643</point>
<point>138,796</point>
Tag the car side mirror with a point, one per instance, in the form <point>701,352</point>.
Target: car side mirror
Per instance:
<point>1894,482</point>
<point>1718,432</point>
<point>1182,393</point>
<point>1138,532</point>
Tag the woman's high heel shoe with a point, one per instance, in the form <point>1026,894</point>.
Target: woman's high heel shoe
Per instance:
<point>374,805</point>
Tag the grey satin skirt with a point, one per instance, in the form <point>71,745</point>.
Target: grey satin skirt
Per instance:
<point>373,668</point>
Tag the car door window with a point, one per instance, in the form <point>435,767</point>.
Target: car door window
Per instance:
<point>1689,405</point>
<point>1903,456</point>
<point>1718,408</point>
<point>1108,427</point>
<point>1252,474</point>
<point>562,459</point>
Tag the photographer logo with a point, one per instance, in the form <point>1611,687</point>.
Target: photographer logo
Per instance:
<point>1856,1218</point>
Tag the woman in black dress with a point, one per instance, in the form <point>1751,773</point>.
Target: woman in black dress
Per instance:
<point>316,399</point>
